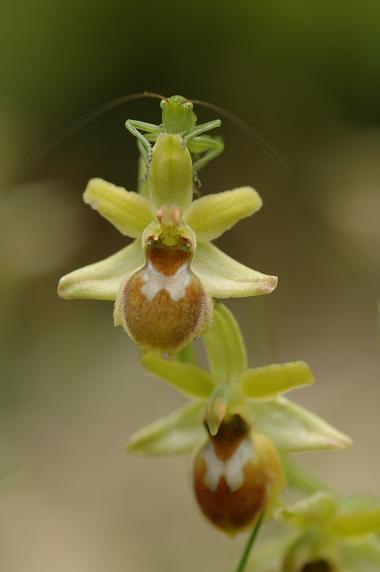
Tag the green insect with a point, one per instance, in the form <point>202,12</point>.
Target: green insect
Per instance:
<point>179,118</point>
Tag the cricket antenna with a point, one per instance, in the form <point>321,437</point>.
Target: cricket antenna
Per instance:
<point>248,130</point>
<point>87,118</point>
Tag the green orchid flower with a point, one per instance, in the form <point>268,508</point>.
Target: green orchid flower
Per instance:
<point>255,393</point>
<point>332,535</point>
<point>175,267</point>
<point>237,423</point>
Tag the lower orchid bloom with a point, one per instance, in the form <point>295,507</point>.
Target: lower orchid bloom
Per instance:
<point>236,425</point>
<point>331,535</point>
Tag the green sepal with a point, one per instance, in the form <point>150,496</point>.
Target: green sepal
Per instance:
<point>224,277</point>
<point>171,172</point>
<point>358,522</point>
<point>129,212</point>
<point>211,215</point>
<point>318,508</point>
<point>186,378</point>
<point>225,347</point>
<point>361,555</point>
<point>176,434</point>
<point>293,428</point>
<point>269,381</point>
<point>102,280</point>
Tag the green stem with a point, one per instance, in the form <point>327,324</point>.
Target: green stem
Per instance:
<point>248,547</point>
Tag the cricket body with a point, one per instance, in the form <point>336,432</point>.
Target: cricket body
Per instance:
<point>178,118</point>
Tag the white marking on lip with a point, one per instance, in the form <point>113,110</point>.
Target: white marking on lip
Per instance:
<point>175,285</point>
<point>231,470</point>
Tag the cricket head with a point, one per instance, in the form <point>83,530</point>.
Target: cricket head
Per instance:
<point>178,115</point>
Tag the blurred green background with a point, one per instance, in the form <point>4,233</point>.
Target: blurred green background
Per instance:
<point>306,75</point>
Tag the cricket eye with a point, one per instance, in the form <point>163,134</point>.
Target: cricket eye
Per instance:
<point>188,105</point>
<point>163,103</point>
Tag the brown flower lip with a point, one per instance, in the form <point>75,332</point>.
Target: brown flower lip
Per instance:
<point>164,305</point>
<point>234,498</point>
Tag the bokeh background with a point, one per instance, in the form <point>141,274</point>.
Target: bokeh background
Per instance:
<point>306,75</point>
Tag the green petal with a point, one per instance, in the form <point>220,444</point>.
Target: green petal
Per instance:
<point>293,428</point>
<point>129,212</point>
<point>269,381</point>
<point>187,378</point>
<point>315,509</point>
<point>358,522</point>
<point>212,215</point>
<point>225,346</point>
<point>362,555</point>
<point>171,172</point>
<point>224,277</point>
<point>101,281</point>
<point>177,434</point>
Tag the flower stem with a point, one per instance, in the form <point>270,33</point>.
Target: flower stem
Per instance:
<point>248,547</point>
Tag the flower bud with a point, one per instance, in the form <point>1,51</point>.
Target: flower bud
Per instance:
<point>163,306</point>
<point>237,475</point>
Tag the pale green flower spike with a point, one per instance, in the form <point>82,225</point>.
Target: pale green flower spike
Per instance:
<point>230,387</point>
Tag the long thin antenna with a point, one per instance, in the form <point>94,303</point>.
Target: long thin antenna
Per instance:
<point>252,134</point>
<point>86,118</point>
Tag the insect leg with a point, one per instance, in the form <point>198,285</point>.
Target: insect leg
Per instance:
<point>135,126</point>
<point>210,146</point>
<point>199,129</point>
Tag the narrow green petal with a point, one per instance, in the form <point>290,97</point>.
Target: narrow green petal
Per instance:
<point>176,434</point>
<point>211,215</point>
<point>269,381</point>
<point>362,555</point>
<point>225,346</point>
<point>358,522</point>
<point>318,508</point>
<point>224,277</point>
<point>129,212</point>
<point>101,281</point>
<point>187,378</point>
<point>293,428</point>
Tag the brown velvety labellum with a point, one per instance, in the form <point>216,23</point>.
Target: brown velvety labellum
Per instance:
<point>230,483</point>
<point>164,305</point>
